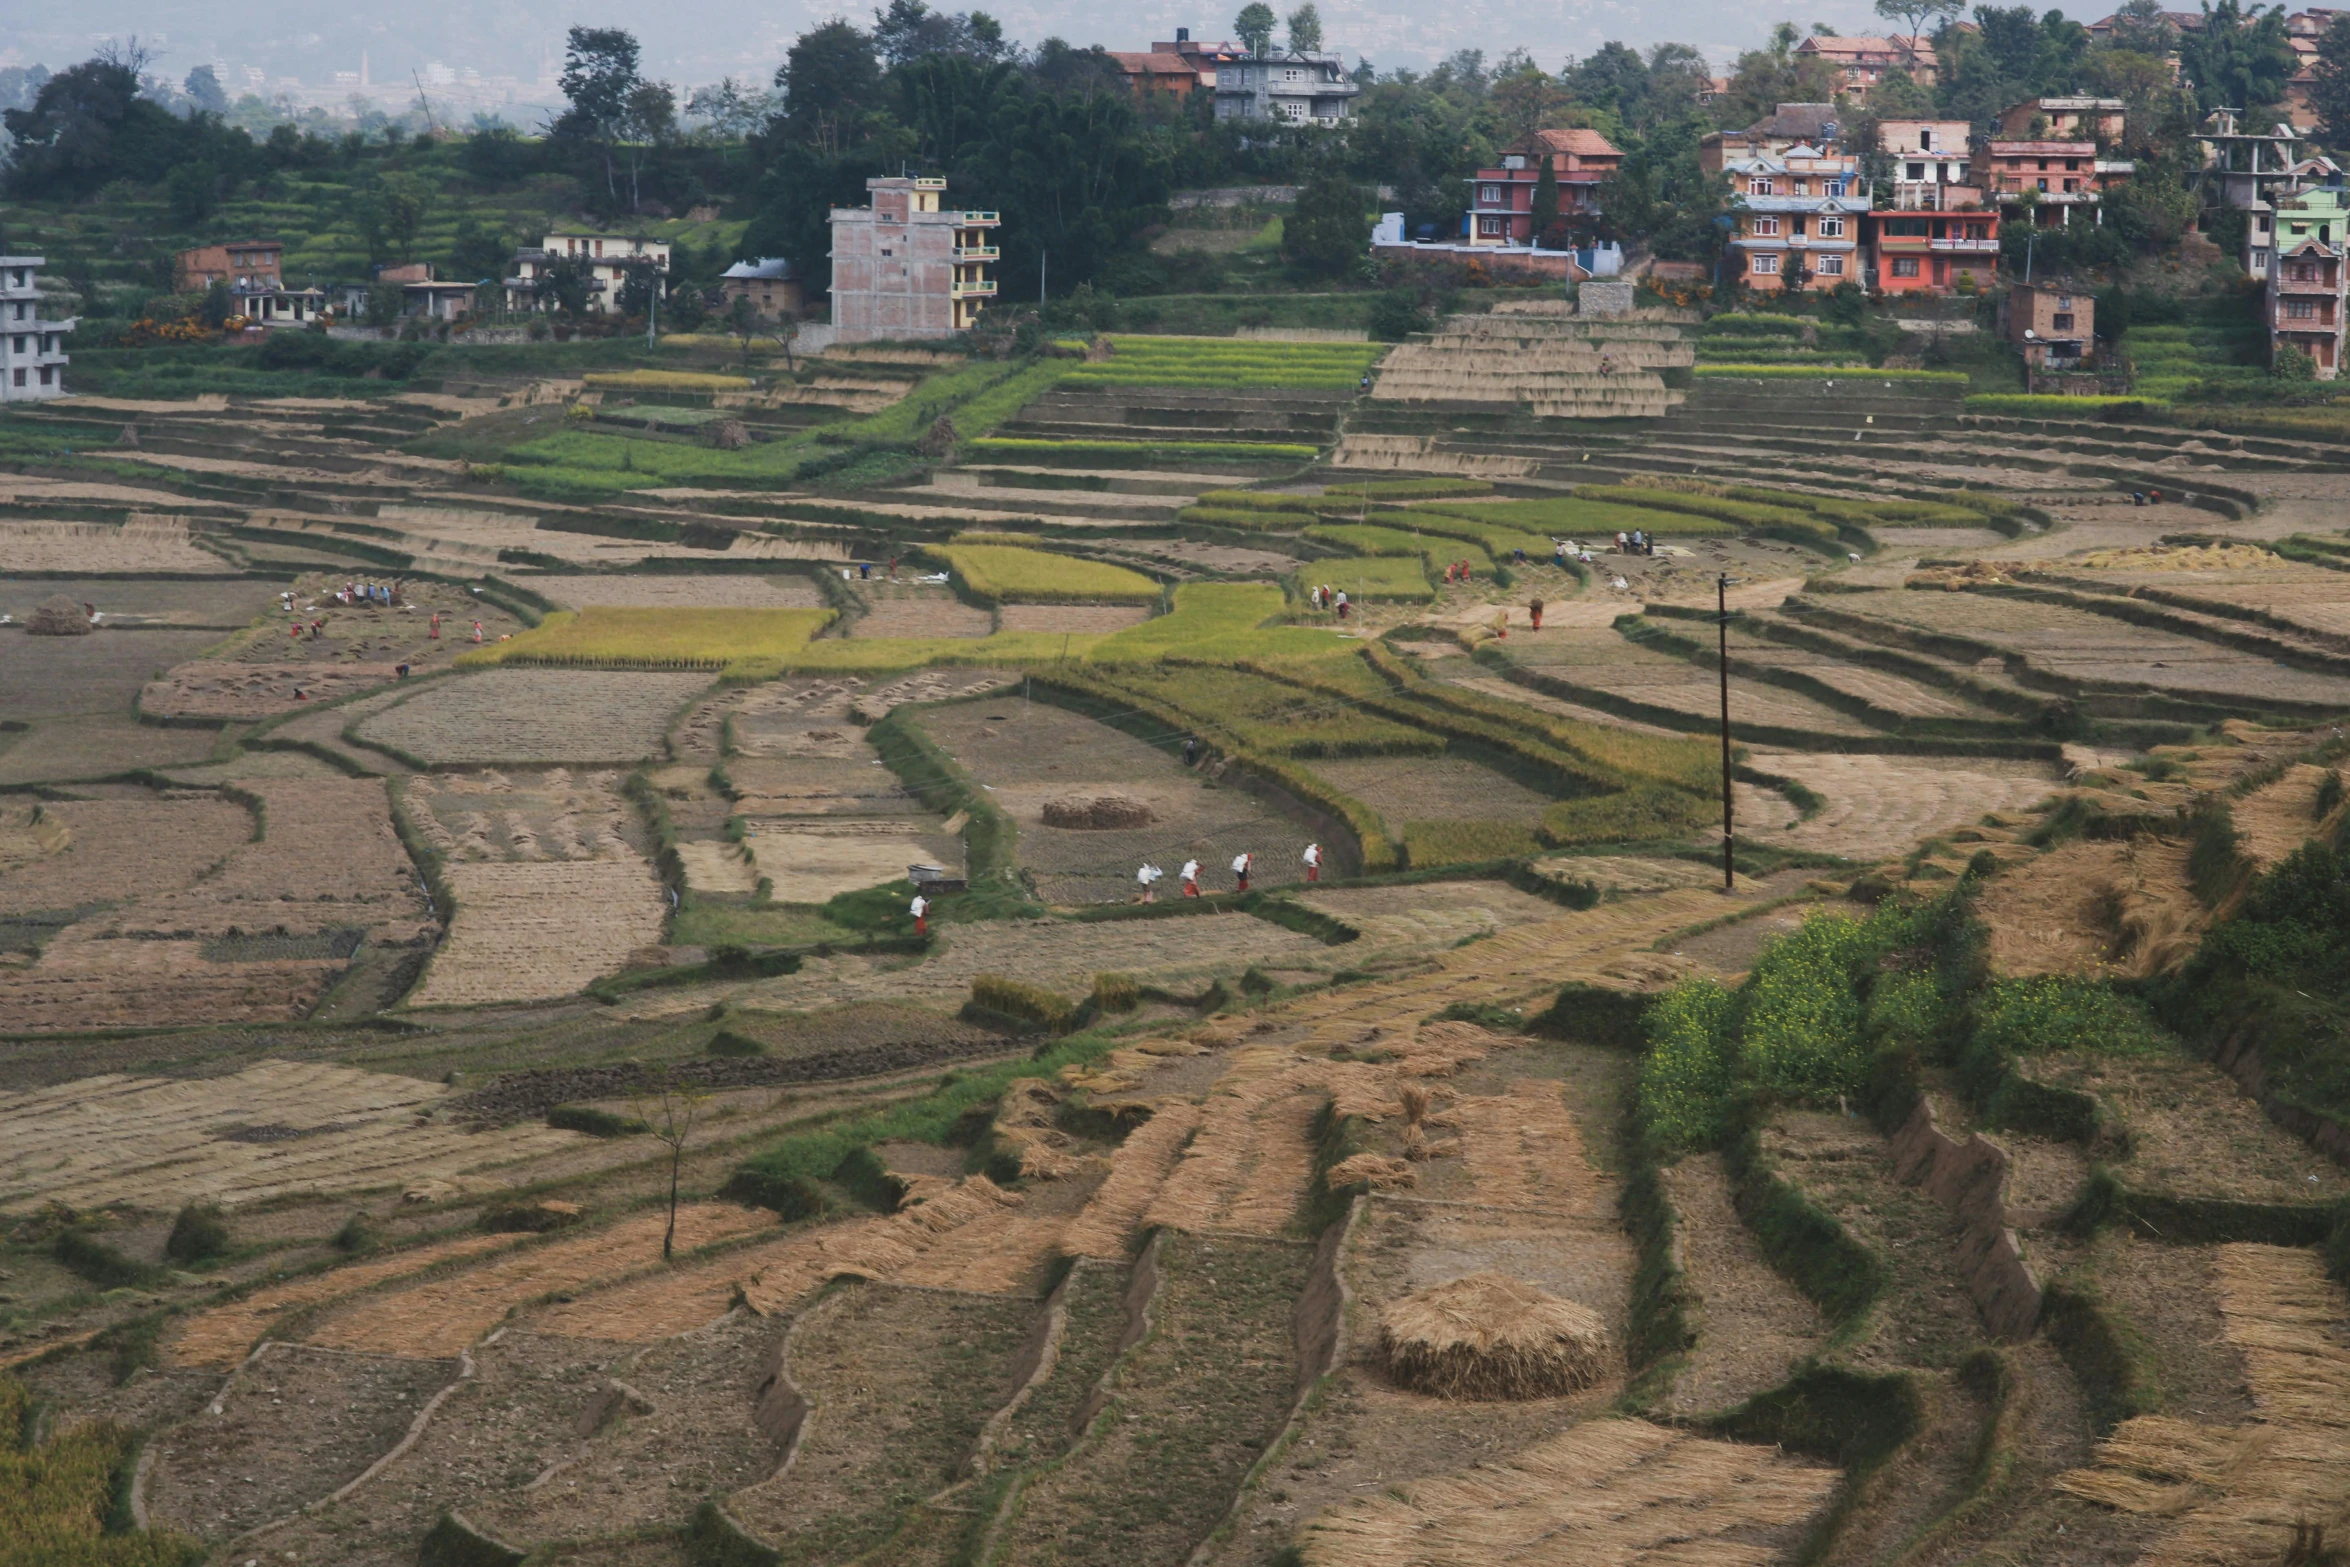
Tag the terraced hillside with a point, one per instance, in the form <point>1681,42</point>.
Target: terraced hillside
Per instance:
<point>474,1085</point>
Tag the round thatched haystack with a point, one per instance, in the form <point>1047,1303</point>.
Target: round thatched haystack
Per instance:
<point>58,616</point>
<point>1097,811</point>
<point>1491,1336</point>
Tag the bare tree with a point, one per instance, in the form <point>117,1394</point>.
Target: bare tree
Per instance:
<point>670,1109</point>
<point>785,328</point>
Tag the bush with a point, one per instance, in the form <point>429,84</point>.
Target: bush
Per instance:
<point>726,1042</point>
<point>2032,1016</point>
<point>98,1262</point>
<point>592,1121</point>
<point>1686,1078</point>
<point>1801,1033</point>
<point>196,1234</point>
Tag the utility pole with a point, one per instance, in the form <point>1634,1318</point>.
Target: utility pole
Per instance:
<point>1040,258</point>
<point>653,307</point>
<point>1722,604</point>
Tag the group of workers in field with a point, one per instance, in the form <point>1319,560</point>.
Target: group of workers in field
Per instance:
<point>1149,876</point>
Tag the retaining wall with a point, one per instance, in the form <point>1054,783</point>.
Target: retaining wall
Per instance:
<point>1969,1180</point>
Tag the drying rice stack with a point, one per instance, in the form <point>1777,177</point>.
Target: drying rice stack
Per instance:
<point>1491,1336</point>
<point>58,616</point>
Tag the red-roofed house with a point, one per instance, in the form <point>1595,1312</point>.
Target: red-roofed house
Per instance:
<point>1863,62</point>
<point>1501,200</point>
<point>1158,70</point>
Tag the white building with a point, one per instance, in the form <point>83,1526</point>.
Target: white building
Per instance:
<point>1287,86</point>
<point>32,351</point>
<point>607,257</point>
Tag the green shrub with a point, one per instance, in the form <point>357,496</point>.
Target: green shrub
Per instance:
<point>2023,406</point>
<point>1686,1077</point>
<point>592,1121</point>
<point>2032,1016</point>
<point>356,1235</point>
<point>196,1234</point>
<point>1030,1003</point>
<point>98,1262</point>
<point>1801,1034</point>
<point>726,1042</point>
<point>1116,993</point>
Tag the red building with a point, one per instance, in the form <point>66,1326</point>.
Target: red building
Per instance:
<point>1927,252</point>
<point>1501,201</point>
<point>1159,71</point>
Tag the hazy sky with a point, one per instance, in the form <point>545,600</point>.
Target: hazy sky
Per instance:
<point>699,42</point>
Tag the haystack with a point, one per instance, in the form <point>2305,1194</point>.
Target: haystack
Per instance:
<point>59,616</point>
<point>1490,1336</point>
<point>1097,812</point>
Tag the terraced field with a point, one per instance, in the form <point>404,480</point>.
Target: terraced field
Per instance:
<point>1985,1220</point>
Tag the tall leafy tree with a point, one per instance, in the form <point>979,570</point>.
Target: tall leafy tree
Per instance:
<point>1767,77</point>
<point>2239,58</point>
<point>88,125</point>
<point>1523,99</point>
<point>831,83</point>
<point>909,30</point>
<point>2329,94</point>
<point>1329,228</point>
<point>599,77</point>
<point>1547,228</point>
<point>204,90</point>
<point>1254,25</point>
<point>1305,28</point>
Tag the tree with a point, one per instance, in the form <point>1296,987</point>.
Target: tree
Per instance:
<point>1916,16</point>
<point>390,211</point>
<point>1765,78</point>
<point>1523,98</point>
<point>599,75</point>
<point>2329,93</point>
<point>493,154</point>
<point>743,322</point>
<point>478,252</point>
<point>565,284</point>
<point>1305,29</point>
<point>831,82</point>
<point>784,327</point>
<point>2141,27</point>
<point>1255,25</point>
<point>650,116</point>
<point>669,1108</point>
<point>1328,230</point>
<point>909,30</point>
<point>88,125</point>
<point>2238,59</point>
<point>203,89</point>
<point>1546,202</point>
<point>192,192</point>
<point>731,110</point>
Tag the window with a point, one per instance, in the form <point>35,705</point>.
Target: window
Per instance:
<point>1489,225</point>
<point>20,378</point>
<point>2043,185</point>
<point>1832,188</point>
<point>1761,187</point>
<point>1766,227</point>
<point>1491,193</point>
<point>1831,227</point>
<point>48,374</point>
<point>1978,231</point>
<point>17,345</point>
<point>2062,321</point>
<point>1905,266</point>
<point>1917,171</point>
<point>1831,266</point>
<point>1926,140</point>
<point>2071,187</point>
<point>1764,266</point>
<point>2300,309</point>
<point>2071,164</point>
<point>1803,187</point>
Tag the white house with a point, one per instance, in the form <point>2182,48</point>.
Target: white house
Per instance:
<point>1288,86</point>
<point>32,350</point>
<point>608,257</point>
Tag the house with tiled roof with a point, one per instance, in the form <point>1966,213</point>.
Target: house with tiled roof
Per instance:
<point>1798,216</point>
<point>1862,62</point>
<point>1501,198</point>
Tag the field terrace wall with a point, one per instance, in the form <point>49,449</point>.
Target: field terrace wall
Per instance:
<point>1970,1180</point>
<point>1552,364</point>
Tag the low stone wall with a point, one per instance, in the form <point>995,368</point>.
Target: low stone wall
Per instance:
<point>1969,1180</point>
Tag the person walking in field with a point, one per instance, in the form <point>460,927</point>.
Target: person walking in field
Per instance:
<point>1240,864</point>
<point>920,909</point>
<point>1342,604</point>
<point>477,632</point>
<point>1190,874</point>
<point>1190,750</point>
<point>1534,610</point>
<point>1149,877</point>
<point>1313,859</point>
<point>435,633</point>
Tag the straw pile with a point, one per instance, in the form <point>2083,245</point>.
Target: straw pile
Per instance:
<point>1097,812</point>
<point>2238,1493</point>
<point>1491,1336</point>
<point>1138,1170</point>
<point>1604,1493</point>
<point>59,616</point>
<point>1375,1170</point>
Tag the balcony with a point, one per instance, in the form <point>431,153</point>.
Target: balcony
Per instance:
<point>978,252</point>
<point>977,219</point>
<point>2321,284</point>
<point>983,289</point>
<point>1963,247</point>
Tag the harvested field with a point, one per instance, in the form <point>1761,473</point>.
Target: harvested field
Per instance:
<point>2082,646</point>
<point>444,1315</point>
<point>57,677</point>
<point>2192,1132</point>
<point>2121,908</point>
<point>1889,692</point>
<point>224,1335</point>
<point>1074,619</point>
<point>664,590</point>
<point>521,716</point>
<point>2316,600</point>
<point>145,543</point>
<point>1032,754</point>
<point>1138,1172</point>
<point>899,1383</point>
<point>1045,1424</point>
<point>524,931</point>
<point>1431,914</point>
<point>1752,1326</point>
<point>1610,1491</point>
<point>714,866</point>
<point>911,609</point>
<point>809,862</point>
<point>1247,1168</point>
<point>361,631</point>
<point>2274,820</point>
<point>1190,1411</point>
<point>2238,1492</point>
<point>271,1129</point>
<point>1607,665</point>
<point>289,1430</point>
<point>1522,1149</point>
<point>523,815</point>
<point>228,690</point>
<point>94,852</point>
<point>1879,806</point>
<point>222,603</point>
<point>1433,789</point>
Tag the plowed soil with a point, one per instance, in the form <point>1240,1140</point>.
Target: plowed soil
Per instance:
<point>550,716</point>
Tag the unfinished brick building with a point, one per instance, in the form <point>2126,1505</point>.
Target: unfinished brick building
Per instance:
<point>905,267</point>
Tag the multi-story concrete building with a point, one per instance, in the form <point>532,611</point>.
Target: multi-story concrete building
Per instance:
<point>1930,161</point>
<point>1930,251</point>
<point>908,267</point>
<point>2306,298</point>
<point>1287,86</point>
<point>2054,325</point>
<point>607,257</point>
<point>1790,125</point>
<point>248,266</point>
<point>1798,217</point>
<point>32,351</point>
<point>1863,62</point>
<point>2029,180</point>
<point>1501,200</point>
<point>2065,119</point>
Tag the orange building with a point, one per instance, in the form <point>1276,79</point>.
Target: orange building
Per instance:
<point>1925,251</point>
<point>250,265</point>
